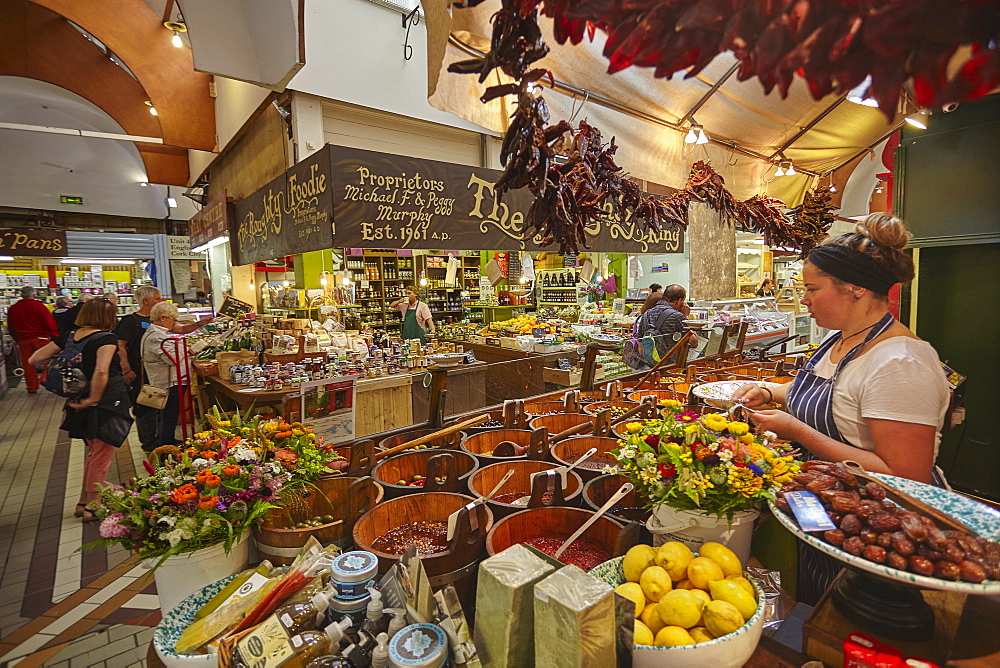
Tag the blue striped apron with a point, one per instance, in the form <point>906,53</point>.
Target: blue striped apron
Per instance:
<point>810,399</point>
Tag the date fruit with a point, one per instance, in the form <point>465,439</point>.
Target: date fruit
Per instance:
<point>854,545</point>
<point>874,553</point>
<point>902,544</point>
<point>970,571</point>
<point>850,525</point>
<point>896,561</point>
<point>947,570</point>
<point>921,566</point>
<point>834,537</point>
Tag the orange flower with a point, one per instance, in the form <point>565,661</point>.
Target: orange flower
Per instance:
<point>207,502</point>
<point>231,469</point>
<point>191,452</point>
<point>213,481</point>
<point>184,493</point>
<point>208,454</point>
<point>201,475</point>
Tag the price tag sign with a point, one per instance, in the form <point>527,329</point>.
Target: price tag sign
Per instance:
<point>564,364</point>
<point>538,332</point>
<point>809,512</point>
<point>470,356</point>
<point>234,308</point>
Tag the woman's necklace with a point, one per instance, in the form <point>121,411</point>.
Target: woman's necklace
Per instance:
<point>844,339</point>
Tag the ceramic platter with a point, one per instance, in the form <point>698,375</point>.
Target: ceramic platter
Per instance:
<point>169,630</point>
<point>606,338</point>
<point>980,518</point>
<point>721,390</point>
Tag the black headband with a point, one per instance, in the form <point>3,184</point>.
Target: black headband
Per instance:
<point>852,266</point>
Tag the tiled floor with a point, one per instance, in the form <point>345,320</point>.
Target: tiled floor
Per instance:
<point>58,606</point>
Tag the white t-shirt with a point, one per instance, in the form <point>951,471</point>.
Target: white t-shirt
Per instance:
<point>900,379</point>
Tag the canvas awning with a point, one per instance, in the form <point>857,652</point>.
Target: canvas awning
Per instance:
<point>817,136</point>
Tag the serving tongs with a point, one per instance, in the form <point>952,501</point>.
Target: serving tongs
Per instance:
<point>910,502</point>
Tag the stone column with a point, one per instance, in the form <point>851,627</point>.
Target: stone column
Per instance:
<point>713,254</point>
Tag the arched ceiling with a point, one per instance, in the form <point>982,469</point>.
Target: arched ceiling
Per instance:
<point>37,41</point>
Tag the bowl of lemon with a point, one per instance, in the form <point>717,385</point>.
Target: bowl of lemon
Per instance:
<point>692,609</point>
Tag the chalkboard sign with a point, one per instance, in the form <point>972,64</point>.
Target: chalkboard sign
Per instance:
<point>564,364</point>
<point>538,332</point>
<point>470,356</point>
<point>570,260</point>
<point>234,308</point>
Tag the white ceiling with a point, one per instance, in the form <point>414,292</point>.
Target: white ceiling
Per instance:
<point>39,167</point>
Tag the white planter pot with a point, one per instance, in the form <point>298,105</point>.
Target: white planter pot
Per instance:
<point>181,575</point>
<point>694,528</point>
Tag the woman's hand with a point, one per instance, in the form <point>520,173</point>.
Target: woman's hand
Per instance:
<point>751,395</point>
<point>83,403</point>
<point>787,428</point>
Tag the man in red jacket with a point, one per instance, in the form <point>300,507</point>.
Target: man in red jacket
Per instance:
<point>31,324</point>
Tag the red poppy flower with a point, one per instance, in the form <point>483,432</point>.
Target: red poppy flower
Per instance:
<point>667,470</point>
<point>652,440</point>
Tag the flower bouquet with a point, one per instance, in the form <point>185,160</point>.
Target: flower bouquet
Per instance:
<point>191,503</point>
<point>702,463</point>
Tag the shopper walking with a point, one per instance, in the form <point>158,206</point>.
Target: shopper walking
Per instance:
<point>130,331</point>
<point>665,319</point>
<point>101,418</point>
<point>69,317</point>
<point>31,325</point>
<point>873,391</point>
<point>417,317</point>
<point>162,372</point>
<point>654,297</point>
<point>767,288</point>
<point>63,304</point>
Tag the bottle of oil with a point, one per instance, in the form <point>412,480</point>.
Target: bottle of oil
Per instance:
<point>299,617</point>
<point>311,645</point>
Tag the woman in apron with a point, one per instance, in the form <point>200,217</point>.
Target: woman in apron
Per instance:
<point>873,391</point>
<point>417,318</point>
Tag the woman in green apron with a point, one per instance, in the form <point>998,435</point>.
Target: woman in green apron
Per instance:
<point>417,318</point>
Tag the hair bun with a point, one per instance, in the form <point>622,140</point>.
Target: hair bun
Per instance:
<point>884,230</point>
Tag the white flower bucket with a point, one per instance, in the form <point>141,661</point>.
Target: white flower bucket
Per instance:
<point>181,575</point>
<point>694,528</point>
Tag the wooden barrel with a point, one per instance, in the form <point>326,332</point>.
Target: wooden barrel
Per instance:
<point>555,523</point>
<point>455,566</point>
<point>591,396</point>
<point>631,508</point>
<point>595,408</point>
<point>405,465</point>
<point>659,394</point>
<point>560,422</point>
<point>485,479</point>
<point>342,497</point>
<point>780,380</point>
<point>495,416</point>
<point>545,407</point>
<point>569,450</point>
<point>448,441</point>
<point>480,445</point>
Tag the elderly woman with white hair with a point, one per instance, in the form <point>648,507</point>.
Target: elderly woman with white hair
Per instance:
<point>161,371</point>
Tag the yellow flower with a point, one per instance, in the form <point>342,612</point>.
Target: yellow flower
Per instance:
<point>692,429</point>
<point>746,439</point>
<point>738,428</point>
<point>633,427</point>
<point>297,432</point>
<point>671,403</point>
<point>715,422</point>
<point>224,423</point>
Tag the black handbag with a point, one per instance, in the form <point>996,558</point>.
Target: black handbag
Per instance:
<point>113,428</point>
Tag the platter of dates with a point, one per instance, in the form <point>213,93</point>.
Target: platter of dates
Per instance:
<point>881,532</point>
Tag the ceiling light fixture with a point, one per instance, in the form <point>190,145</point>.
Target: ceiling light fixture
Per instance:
<point>176,27</point>
<point>251,286</point>
<point>696,135</point>
<point>918,119</point>
<point>781,170</point>
<point>859,94</point>
<point>103,263</point>
<point>6,258</point>
<point>217,241</point>
<point>347,280</point>
<point>144,184</point>
<point>152,109</point>
<point>790,169</point>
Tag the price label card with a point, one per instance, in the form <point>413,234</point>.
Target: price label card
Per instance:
<point>470,356</point>
<point>809,511</point>
<point>538,332</point>
<point>564,364</point>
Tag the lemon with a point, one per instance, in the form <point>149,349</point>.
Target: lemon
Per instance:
<point>684,584</point>
<point>743,582</point>
<point>702,594</point>
<point>642,635</point>
<point>722,555</point>
<point>655,583</point>
<point>636,560</point>
<point>731,592</point>
<point>651,618</point>
<point>722,618</point>
<point>701,634</point>
<point>633,591</point>
<point>680,608</point>
<point>672,636</point>
<point>703,570</point>
<point>674,557</point>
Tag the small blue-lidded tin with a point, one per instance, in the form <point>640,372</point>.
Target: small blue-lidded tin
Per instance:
<point>419,646</point>
<point>353,572</point>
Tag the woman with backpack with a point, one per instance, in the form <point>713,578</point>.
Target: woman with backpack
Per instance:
<point>85,368</point>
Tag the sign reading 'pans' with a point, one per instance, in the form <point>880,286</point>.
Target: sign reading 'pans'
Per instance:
<point>291,214</point>
<point>391,201</point>
<point>35,242</point>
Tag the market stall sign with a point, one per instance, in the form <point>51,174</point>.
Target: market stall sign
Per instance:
<point>384,200</point>
<point>291,214</point>
<point>211,222</point>
<point>32,241</point>
<point>179,248</point>
<point>234,308</point>
<point>70,199</point>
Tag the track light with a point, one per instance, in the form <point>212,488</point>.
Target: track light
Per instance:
<point>780,172</point>
<point>702,136</point>
<point>859,94</point>
<point>918,119</point>
<point>790,169</point>
<point>785,168</point>
<point>696,135</point>
<point>691,137</point>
